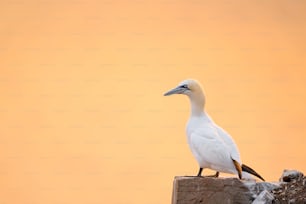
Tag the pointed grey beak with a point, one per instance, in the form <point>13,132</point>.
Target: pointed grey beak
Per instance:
<point>177,90</point>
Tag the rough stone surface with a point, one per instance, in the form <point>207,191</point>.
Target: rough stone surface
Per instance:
<point>293,190</point>
<point>196,190</point>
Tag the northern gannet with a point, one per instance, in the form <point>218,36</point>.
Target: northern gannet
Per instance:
<point>211,146</point>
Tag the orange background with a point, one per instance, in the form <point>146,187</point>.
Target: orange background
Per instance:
<point>83,119</point>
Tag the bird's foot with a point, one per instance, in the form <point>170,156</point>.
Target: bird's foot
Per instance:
<point>199,175</point>
<point>216,175</point>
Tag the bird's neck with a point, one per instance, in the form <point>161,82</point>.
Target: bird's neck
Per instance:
<point>197,104</point>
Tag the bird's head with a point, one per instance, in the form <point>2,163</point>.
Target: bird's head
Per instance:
<point>193,90</point>
<point>189,87</point>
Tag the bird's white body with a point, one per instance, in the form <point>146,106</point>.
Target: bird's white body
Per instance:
<point>212,147</point>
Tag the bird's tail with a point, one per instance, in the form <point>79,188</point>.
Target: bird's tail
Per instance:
<point>249,170</point>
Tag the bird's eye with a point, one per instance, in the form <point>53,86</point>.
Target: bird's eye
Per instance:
<point>184,86</point>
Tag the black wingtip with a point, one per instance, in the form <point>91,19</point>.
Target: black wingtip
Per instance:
<point>248,169</point>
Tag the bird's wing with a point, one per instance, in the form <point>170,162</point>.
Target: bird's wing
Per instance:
<point>209,146</point>
<point>228,140</point>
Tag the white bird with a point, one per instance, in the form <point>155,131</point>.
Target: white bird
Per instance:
<point>211,146</point>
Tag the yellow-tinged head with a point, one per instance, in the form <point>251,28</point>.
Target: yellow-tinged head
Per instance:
<point>193,90</point>
<point>189,87</point>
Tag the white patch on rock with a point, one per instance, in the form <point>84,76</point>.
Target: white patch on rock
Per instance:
<point>265,197</point>
<point>289,175</point>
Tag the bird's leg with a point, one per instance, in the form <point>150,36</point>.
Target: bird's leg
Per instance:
<point>200,172</point>
<point>215,175</point>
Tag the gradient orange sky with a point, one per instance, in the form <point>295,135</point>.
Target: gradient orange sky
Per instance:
<point>83,117</point>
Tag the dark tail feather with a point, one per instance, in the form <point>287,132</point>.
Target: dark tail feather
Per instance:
<point>251,171</point>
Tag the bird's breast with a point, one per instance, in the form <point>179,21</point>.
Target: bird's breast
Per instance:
<point>193,125</point>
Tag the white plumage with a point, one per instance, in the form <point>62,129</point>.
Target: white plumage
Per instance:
<point>211,146</point>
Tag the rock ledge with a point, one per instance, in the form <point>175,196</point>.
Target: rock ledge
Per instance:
<point>196,190</point>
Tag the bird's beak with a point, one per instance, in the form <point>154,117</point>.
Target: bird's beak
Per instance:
<point>177,90</point>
